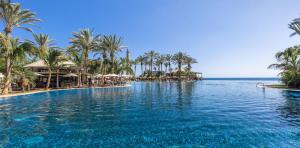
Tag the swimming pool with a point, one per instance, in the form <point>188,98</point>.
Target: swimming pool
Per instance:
<point>210,113</point>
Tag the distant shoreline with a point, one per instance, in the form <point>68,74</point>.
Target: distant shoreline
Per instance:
<point>249,78</point>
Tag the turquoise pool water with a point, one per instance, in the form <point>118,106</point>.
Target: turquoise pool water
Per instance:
<point>210,113</point>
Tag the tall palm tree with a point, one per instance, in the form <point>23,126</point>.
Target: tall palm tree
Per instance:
<point>43,45</point>
<point>127,58</point>
<point>102,54</point>
<point>135,62</point>
<point>151,55</point>
<point>168,59</point>
<point>160,61</point>
<point>84,41</point>
<point>94,67</point>
<point>52,60</point>
<point>113,44</point>
<point>189,61</point>
<point>76,57</point>
<point>140,59</point>
<point>166,67</point>
<point>20,51</point>
<point>288,64</point>
<point>157,65</point>
<point>13,16</point>
<point>295,26</point>
<point>178,59</point>
<point>163,60</point>
<point>124,67</point>
<point>147,66</point>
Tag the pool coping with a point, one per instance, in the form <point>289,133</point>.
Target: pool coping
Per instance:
<point>3,97</point>
<point>286,89</point>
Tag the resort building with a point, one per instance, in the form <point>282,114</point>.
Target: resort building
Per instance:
<point>65,74</point>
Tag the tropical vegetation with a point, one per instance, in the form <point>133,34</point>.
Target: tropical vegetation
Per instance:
<point>288,60</point>
<point>91,54</point>
<point>154,64</point>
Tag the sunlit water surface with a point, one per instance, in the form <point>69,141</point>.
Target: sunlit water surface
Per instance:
<point>210,113</point>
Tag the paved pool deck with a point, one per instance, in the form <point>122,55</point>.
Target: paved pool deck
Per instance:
<point>41,91</point>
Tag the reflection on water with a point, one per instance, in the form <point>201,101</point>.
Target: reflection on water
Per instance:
<point>290,107</point>
<point>158,114</point>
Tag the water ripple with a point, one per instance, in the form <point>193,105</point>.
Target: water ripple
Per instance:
<point>200,114</point>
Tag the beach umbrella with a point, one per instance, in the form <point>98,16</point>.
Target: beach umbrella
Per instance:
<point>99,75</point>
<point>70,75</point>
<point>37,74</point>
<point>126,76</point>
<point>111,75</point>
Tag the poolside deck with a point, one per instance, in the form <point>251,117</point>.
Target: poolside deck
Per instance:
<point>43,90</point>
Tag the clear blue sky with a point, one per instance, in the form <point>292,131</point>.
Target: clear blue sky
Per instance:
<point>229,38</point>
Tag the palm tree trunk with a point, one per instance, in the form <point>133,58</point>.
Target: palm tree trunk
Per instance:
<point>22,83</point>
<point>85,66</point>
<point>112,58</point>
<point>151,65</point>
<point>102,81</point>
<point>57,78</point>
<point>134,70</point>
<point>7,83</point>
<point>166,69</point>
<point>79,79</point>
<point>49,79</point>
<point>7,75</point>
<point>179,69</point>
<point>141,68</point>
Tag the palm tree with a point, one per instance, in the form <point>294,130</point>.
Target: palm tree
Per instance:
<point>12,16</point>
<point>124,67</point>
<point>94,67</point>
<point>127,58</point>
<point>160,61</point>
<point>147,66</point>
<point>152,55</point>
<point>168,61</point>
<point>189,61</point>
<point>19,54</point>
<point>102,51</point>
<point>140,59</point>
<point>157,65</point>
<point>84,41</point>
<point>178,59</point>
<point>43,45</point>
<point>52,60</point>
<point>113,44</point>
<point>135,62</point>
<point>166,67</point>
<point>288,64</point>
<point>75,56</point>
<point>295,26</point>
<point>163,60</point>
<point>24,76</point>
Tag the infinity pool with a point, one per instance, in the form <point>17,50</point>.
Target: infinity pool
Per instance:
<point>210,113</point>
